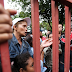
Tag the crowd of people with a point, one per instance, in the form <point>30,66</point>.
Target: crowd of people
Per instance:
<point>20,44</point>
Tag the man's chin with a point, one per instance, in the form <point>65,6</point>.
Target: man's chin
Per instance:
<point>23,35</point>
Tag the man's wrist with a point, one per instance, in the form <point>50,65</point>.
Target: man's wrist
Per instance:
<point>41,48</point>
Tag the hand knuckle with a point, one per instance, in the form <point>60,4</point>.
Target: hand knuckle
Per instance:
<point>1,7</point>
<point>7,18</point>
<point>8,28</point>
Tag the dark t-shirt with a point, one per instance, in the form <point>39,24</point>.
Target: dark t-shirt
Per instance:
<point>62,42</point>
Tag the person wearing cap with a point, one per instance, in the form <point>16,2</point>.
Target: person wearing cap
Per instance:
<point>17,45</point>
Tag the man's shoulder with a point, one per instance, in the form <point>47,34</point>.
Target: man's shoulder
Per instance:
<point>9,41</point>
<point>26,44</point>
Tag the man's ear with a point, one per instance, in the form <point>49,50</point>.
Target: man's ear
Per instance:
<point>21,70</point>
<point>14,27</point>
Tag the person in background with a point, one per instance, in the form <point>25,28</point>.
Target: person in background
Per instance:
<point>61,56</point>
<point>60,29</point>
<point>71,49</point>
<point>62,44</point>
<point>41,36</point>
<point>47,34</point>
<point>48,52</point>
<point>30,40</point>
<point>25,63</point>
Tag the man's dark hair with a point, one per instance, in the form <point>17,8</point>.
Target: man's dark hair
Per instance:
<point>20,61</point>
<point>40,30</point>
<point>29,39</point>
<point>49,34</point>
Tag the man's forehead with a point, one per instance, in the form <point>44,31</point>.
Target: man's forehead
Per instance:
<point>50,35</point>
<point>21,22</point>
<point>60,25</point>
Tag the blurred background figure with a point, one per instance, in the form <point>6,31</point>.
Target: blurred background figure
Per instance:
<point>60,29</point>
<point>47,34</point>
<point>41,36</point>
<point>29,40</point>
<point>48,52</point>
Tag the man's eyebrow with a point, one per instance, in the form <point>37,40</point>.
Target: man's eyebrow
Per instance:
<point>32,63</point>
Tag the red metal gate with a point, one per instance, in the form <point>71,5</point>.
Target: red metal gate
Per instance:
<point>4,50</point>
<point>55,22</point>
<point>36,42</point>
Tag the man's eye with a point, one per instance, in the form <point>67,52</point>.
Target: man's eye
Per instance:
<point>24,26</point>
<point>32,65</point>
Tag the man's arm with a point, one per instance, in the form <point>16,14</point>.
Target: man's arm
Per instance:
<point>45,43</point>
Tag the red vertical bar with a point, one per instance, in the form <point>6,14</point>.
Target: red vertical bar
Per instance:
<point>2,2</point>
<point>67,39</point>
<point>55,22</point>
<point>56,37</point>
<point>36,34</point>
<point>5,60</point>
<point>6,67</point>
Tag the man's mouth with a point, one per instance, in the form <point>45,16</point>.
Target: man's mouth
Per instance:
<point>26,33</point>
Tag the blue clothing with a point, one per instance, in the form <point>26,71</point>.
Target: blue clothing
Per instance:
<point>40,40</point>
<point>43,69</point>
<point>61,67</point>
<point>32,50</point>
<point>15,48</point>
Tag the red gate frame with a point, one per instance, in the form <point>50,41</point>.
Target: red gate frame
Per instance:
<point>36,34</point>
<point>36,43</point>
<point>55,23</point>
<point>67,33</point>
<point>5,59</point>
<point>4,49</point>
<point>67,39</point>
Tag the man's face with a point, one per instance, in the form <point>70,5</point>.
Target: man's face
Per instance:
<point>22,28</point>
<point>40,34</point>
<point>30,66</point>
<point>60,27</point>
<point>50,36</point>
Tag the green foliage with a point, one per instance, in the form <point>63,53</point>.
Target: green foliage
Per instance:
<point>23,15</point>
<point>13,17</point>
<point>61,14</point>
<point>45,9</point>
<point>45,25</point>
<point>44,12</point>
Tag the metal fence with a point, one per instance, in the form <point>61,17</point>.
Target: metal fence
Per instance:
<point>36,43</point>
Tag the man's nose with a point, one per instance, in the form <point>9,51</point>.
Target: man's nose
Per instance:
<point>26,29</point>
